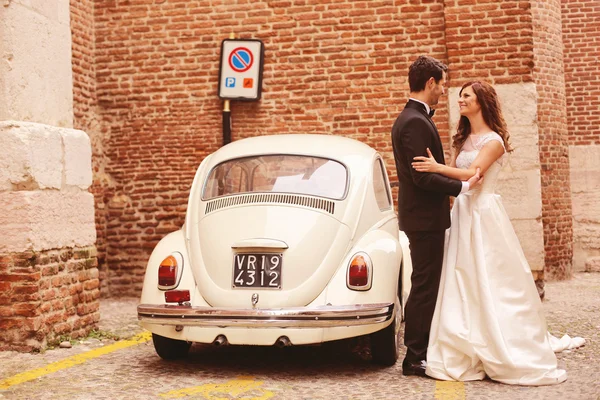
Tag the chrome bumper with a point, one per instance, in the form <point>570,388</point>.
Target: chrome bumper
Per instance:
<point>298,317</point>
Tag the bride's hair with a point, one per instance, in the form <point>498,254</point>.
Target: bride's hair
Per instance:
<point>491,112</point>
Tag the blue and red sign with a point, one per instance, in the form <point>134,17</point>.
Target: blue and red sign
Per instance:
<point>241,59</point>
<point>240,69</point>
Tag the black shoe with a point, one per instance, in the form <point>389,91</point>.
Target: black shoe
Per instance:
<point>418,368</point>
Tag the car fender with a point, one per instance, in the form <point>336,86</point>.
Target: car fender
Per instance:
<point>406,267</point>
<point>173,242</point>
<point>193,210</point>
<point>385,252</point>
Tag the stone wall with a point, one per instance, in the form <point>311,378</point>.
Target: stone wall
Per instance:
<point>48,270</point>
<point>585,186</point>
<point>35,72</point>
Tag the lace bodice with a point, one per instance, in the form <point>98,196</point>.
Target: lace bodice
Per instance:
<point>469,152</point>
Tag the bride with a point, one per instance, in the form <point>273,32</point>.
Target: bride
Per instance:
<point>488,317</point>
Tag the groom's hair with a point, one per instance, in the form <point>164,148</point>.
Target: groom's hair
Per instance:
<point>422,69</point>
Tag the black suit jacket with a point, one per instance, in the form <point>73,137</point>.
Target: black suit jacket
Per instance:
<point>423,203</point>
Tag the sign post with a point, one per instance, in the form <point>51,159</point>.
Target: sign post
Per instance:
<point>240,75</point>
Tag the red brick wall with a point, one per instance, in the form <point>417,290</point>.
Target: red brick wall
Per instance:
<point>330,67</point>
<point>87,116</point>
<point>581,38</point>
<point>554,152</point>
<point>84,74</point>
<point>489,40</point>
<point>47,294</point>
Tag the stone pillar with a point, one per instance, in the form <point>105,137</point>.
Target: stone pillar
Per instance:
<point>48,271</point>
<point>581,39</point>
<point>482,48</point>
<point>517,46</point>
<point>36,81</point>
<point>549,78</point>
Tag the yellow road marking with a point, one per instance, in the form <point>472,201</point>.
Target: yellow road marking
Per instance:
<point>223,391</point>
<point>73,360</point>
<point>448,390</point>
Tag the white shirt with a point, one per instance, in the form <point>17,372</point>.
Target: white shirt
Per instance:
<point>465,185</point>
<point>422,102</point>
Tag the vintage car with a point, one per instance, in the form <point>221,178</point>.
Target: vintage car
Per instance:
<point>287,240</point>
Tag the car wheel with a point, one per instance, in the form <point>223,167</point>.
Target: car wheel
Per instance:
<point>170,349</point>
<point>385,344</point>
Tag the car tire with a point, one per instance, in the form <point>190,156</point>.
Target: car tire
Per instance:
<point>170,349</point>
<point>385,344</point>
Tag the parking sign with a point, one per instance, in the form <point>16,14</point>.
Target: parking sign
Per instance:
<point>240,69</point>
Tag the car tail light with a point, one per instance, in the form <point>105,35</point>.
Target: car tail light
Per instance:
<point>169,271</point>
<point>177,296</point>
<point>360,272</point>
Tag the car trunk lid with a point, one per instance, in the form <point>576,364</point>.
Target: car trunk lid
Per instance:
<point>302,246</point>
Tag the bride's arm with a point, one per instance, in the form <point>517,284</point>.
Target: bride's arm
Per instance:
<point>490,152</point>
<point>452,157</point>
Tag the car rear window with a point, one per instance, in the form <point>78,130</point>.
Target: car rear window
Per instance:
<point>308,175</point>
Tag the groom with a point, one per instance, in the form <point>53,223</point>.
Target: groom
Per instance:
<point>423,204</point>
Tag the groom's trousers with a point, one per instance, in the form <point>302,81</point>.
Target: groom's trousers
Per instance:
<point>427,253</point>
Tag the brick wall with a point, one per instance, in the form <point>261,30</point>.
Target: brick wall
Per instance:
<point>554,152</point>
<point>87,116</point>
<point>44,295</point>
<point>489,40</point>
<point>330,67</point>
<point>581,37</point>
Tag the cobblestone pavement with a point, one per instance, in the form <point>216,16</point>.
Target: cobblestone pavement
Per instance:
<point>94,368</point>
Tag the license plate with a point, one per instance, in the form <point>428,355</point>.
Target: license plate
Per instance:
<point>262,270</point>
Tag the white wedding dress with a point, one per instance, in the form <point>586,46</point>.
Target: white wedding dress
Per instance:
<point>488,317</point>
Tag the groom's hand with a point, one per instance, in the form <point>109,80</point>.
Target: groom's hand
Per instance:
<point>475,180</point>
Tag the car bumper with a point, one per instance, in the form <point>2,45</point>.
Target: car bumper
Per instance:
<point>297,317</point>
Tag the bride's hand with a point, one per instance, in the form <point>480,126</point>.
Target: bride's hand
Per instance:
<point>426,164</point>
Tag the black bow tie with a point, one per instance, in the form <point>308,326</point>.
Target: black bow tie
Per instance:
<point>431,112</point>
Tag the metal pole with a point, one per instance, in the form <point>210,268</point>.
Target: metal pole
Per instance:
<point>226,123</point>
<point>227,114</point>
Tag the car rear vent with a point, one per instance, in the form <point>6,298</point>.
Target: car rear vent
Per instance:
<point>321,204</point>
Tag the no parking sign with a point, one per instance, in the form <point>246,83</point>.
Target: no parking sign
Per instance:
<point>240,69</point>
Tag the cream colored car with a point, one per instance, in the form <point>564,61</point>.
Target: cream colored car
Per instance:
<point>287,240</point>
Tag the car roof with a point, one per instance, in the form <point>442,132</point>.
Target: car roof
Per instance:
<point>335,147</point>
